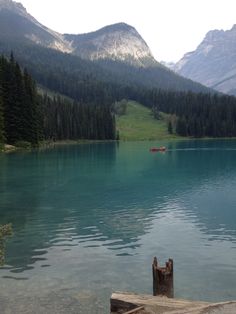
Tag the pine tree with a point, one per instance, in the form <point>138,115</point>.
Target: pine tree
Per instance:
<point>30,111</point>
<point>181,127</point>
<point>2,138</point>
<point>170,128</point>
<point>8,96</point>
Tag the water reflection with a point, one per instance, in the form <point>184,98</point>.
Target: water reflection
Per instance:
<point>120,202</point>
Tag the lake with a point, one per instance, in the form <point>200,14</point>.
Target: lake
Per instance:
<point>88,220</point>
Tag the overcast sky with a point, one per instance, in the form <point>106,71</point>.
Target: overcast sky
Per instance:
<point>170,27</point>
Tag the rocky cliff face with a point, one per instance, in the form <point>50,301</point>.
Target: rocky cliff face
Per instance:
<point>16,23</point>
<point>117,42</point>
<point>213,63</point>
<point>23,34</point>
<point>12,6</point>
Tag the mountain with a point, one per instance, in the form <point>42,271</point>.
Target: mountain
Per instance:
<point>115,54</point>
<point>18,25</point>
<point>213,63</point>
<point>169,65</point>
<point>118,42</point>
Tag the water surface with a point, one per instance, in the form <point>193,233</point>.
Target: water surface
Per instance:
<point>88,220</point>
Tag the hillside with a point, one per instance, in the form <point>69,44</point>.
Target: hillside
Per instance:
<point>138,123</point>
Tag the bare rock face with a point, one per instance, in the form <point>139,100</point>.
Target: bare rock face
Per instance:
<point>117,42</point>
<point>213,63</point>
<point>13,6</point>
<point>16,22</point>
<point>169,65</point>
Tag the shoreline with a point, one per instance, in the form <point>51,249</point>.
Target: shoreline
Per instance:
<point>7,148</point>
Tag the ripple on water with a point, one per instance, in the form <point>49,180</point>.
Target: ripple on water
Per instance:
<point>95,215</point>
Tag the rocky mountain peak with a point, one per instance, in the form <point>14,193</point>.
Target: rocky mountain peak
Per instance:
<point>117,27</point>
<point>233,28</point>
<point>214,35</point>
<point>213,63</point>
<point>12,6</point>
<point>115,42</point>
<point>118,42</point>
<point>18,23</point>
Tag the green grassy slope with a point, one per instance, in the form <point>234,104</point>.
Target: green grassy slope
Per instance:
<point>139,124</point>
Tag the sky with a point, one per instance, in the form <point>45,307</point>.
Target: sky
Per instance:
<point>170,27</point>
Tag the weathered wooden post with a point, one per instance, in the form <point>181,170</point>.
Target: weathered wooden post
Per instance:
<point>163,278</point>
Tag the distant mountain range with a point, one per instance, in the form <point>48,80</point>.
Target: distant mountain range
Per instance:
<point>213,63</point>
<point>115,53</point>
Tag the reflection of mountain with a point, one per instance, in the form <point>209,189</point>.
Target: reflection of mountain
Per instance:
<point>108,195</point>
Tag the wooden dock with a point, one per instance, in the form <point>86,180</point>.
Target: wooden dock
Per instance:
<point>130,303</point>
<point>163,301</point>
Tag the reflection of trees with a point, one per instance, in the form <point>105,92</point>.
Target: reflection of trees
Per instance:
<point>34,189</point>
<point>5,230</point>
<point>81,195</point>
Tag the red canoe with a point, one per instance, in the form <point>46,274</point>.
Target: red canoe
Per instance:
<point>158,149</point>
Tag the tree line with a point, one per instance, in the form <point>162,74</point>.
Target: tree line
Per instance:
<point>19,110</point>
<point>194,114</point>
<point>64,119</point>
<point>25,116</point>
<point>89,113</point>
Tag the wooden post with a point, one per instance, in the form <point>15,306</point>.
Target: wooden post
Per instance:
<point>163,278</point>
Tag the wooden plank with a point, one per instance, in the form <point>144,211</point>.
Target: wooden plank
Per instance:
<point>135,310</point>
<point>136,300</point>
<point>162,304</point>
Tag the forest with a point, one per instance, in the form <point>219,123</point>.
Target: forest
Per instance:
<point>88,111</point>
<point>26,116</point>
<point>195,114</point>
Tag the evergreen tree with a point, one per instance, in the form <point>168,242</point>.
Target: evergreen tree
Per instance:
<point>2,138</point>
<point>170,128</point>
<point>181,127</point>
<point>11,104</point>
<point>30,111</point>
<point>20,116</point>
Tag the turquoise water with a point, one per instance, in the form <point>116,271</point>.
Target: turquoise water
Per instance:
<point>88,220</point>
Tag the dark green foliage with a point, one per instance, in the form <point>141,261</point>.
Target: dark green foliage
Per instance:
<point>199,115</point>
<point>31,112</point>
<point>156,76</point>
<point>88,81</point>
<point>117,135</point>
<point>26,117</point>
<point>19,104</point>
<point>170,128</point>
<point>181,127</point>
<point>2,137</point>
<point>65,120</point>
<point>1,121</point>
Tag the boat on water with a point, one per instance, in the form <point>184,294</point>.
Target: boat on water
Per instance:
<point>158,149</point>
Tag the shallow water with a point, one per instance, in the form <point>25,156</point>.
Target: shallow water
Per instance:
<point>88,220</point>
